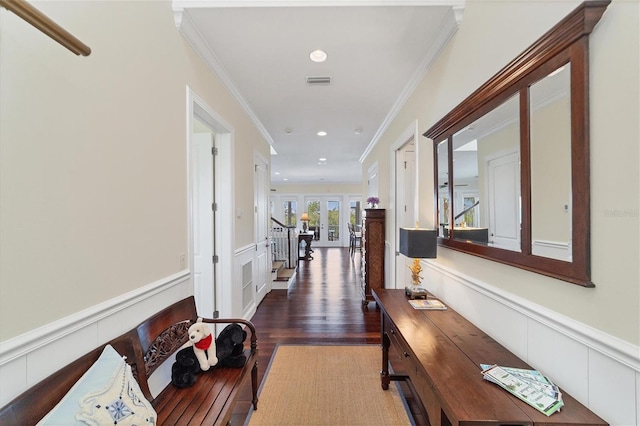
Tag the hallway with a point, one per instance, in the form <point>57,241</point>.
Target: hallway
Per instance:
<point>323,306</point>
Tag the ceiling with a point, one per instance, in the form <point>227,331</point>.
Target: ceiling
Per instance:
<point>377,51</point>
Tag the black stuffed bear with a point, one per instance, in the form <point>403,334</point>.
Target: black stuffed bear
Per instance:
<point>230,346</point>
<point>185,368</point>
<point>229,350</point>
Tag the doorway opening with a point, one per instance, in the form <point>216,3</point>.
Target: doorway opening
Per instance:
<point>210,183</point>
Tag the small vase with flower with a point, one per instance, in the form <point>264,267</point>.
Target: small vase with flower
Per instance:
<point>373,202</point>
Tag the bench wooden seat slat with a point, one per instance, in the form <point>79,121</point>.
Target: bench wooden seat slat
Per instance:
<point>198,399</point>
<point>209,401</point>
<point>215,400</point>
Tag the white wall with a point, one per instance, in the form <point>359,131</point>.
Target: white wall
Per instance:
<point>93,159</point>
<point>316,189</point>
<point>491,35</point>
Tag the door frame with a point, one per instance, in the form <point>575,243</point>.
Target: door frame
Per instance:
<point>396,270</point>
<point>228,303</point>
<point>262,276</point>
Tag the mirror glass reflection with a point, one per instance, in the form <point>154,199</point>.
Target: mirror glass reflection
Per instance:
<point>443,188</point>
<point>539,221</point>
<point>550,121</point>
<point>486,175</point>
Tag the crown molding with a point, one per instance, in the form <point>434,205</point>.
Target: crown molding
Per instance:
<point>185,25</point>
<point>451,23</point>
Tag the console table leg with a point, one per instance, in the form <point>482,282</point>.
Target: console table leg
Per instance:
<point>384,373</point>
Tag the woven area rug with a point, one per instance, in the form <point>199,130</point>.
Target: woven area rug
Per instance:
<point>327,385</point>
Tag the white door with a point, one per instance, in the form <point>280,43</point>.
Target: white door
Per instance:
<point>202,162</point>
<point>325,219</point>
<point>504,208</point>
<point>405,205</point>
<point>262,258</point>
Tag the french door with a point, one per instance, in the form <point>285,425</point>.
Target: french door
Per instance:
<point>325,220</point>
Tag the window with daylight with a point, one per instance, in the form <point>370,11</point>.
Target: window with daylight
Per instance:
<point>290,213</point>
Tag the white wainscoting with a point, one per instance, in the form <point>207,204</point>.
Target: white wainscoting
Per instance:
<point>28,358</point>
<point>243,282</point>
<point>599,370</point>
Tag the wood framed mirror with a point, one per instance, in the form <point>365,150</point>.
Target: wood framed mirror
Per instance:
<point>511,162</point>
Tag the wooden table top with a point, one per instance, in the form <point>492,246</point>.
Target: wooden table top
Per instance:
<point>450,350</point>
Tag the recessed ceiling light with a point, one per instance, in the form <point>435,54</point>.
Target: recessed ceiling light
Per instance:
<point>322,159</point>
<point>276,173</point>
<point>318,55</point>
<point>357,131</point>
<point>322,133</point>
<point>288,131</point>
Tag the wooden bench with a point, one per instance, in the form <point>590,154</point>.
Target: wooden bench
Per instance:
<point>147,347</point>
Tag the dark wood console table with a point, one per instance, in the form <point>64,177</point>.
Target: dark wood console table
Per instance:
<point>307,237</point>
<point>438,354</point>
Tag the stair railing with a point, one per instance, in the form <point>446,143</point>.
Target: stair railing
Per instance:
<point>284,243</point>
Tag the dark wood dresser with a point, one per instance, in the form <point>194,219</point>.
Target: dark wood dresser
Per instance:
<point>438,354</point>
<point>373,237</point>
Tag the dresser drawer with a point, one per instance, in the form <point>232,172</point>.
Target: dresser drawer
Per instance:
<point>427,395</point>
<point>399,354</point>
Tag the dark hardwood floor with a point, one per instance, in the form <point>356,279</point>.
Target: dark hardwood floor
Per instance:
<point>323,306</point>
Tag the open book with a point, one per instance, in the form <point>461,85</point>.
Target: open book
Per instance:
<point>528,385</point>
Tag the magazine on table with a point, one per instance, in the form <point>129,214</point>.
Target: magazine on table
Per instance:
<point>529,385</point>
<point>432,304</point>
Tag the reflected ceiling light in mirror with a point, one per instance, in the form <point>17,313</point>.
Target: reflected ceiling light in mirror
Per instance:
<point>318,55</point>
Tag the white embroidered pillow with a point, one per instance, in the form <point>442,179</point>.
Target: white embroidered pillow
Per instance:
<point>97,380</point>
<point>121,402</point>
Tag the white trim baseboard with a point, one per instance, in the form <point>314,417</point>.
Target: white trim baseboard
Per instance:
<point>552,249</point>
